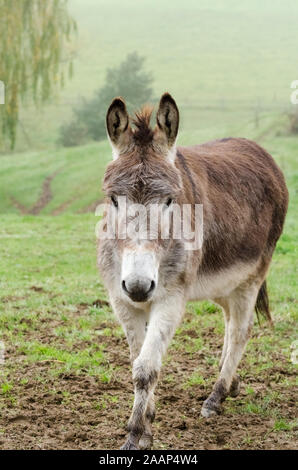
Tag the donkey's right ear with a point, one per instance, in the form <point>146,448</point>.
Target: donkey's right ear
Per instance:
<point>117,121</point>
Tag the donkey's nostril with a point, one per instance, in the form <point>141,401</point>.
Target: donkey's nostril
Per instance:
<point>152,286</point>
<point>138,289</point>
<point>124,286</point>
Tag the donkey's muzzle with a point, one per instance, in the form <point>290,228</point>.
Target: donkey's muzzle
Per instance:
<point>138,289</point>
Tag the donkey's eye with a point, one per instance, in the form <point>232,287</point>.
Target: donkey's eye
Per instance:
<point>169,201</point>
<point>114,201</point>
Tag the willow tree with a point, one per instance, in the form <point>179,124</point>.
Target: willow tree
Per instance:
<point>35,49</point>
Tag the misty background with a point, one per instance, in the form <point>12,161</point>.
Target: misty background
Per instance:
<point>227,63</point>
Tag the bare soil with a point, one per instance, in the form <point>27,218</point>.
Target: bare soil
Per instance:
<point>43,200</point>
<point>47,420</point>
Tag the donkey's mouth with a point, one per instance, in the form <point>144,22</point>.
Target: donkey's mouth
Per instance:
<point>138,291</point>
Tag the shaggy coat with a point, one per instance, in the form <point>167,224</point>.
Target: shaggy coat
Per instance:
<point>244,199</point>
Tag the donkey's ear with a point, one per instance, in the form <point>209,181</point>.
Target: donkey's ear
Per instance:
<point>117,122</point>
<point>168,118</point>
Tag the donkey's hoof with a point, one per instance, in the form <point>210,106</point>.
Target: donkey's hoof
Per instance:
<point>235,387</point>
<point>129,446</point>
<point>211,407</point>
<point>146,441</point>
<point>209,412</point>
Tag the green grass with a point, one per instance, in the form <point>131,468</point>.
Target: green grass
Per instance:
<point>77,184</point>
<point>80,170</point>
<point>284,425</point>
<point>195,379</point>
<point>51,276</point>
<point>6,387</point>
<point>88,360</point>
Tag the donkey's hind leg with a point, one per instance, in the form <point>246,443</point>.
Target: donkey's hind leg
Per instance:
<point>226,312</point>
<point>241,307</point>
<point>235,385</point>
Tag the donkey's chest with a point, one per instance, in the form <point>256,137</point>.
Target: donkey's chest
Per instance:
<point>220,283</point>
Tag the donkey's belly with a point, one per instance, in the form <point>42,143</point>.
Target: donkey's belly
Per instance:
<point>221,283</point>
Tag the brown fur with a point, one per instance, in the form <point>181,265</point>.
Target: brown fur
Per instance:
<point>240,186</point>
<point>141,177</point>
<point>244,193</point>
<point>244,199</point>
<point>143,134</point>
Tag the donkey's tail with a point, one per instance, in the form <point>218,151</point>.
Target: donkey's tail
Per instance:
<point>262,304</point>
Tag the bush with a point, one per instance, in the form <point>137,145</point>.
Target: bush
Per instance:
<point>72,134</point>
<point>128,80</point>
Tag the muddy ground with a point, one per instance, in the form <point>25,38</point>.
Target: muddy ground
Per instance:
<point>79,412</point>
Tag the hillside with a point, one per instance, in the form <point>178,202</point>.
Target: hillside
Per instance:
<point>224,61</point>
<point>69,180</point>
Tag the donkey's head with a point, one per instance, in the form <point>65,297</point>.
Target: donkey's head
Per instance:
<point>142,173</point>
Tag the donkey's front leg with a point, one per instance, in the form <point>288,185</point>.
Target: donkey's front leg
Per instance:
<point>146,439</point>
<point>133,322</point>
<point>164,319</point>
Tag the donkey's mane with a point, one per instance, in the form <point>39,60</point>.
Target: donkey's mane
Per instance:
<point>143,134</point>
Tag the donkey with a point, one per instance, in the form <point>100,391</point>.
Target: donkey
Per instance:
<point>244,199</point>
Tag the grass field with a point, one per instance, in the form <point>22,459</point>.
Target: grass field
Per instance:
<point>64,383</point>
<point>65,379</point>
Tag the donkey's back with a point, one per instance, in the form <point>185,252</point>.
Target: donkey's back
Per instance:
<point>244,196</point>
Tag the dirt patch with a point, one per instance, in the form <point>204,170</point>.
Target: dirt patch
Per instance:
<point>37,289</point>
<point>12,298</point>
<point>21,208</point>
<point>72,411</point>
<point>96,303</point>
<point>60,209</point>
<point>100,303</point>
<point>46,194</point>
<point>43,200</point>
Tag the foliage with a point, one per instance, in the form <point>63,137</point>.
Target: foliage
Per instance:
<point>34,35</point>
<point>128,80</point>
<point>74,134</point>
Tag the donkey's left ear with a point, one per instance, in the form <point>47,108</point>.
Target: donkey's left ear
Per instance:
<point>167,118</point>
<point>117,122</point>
